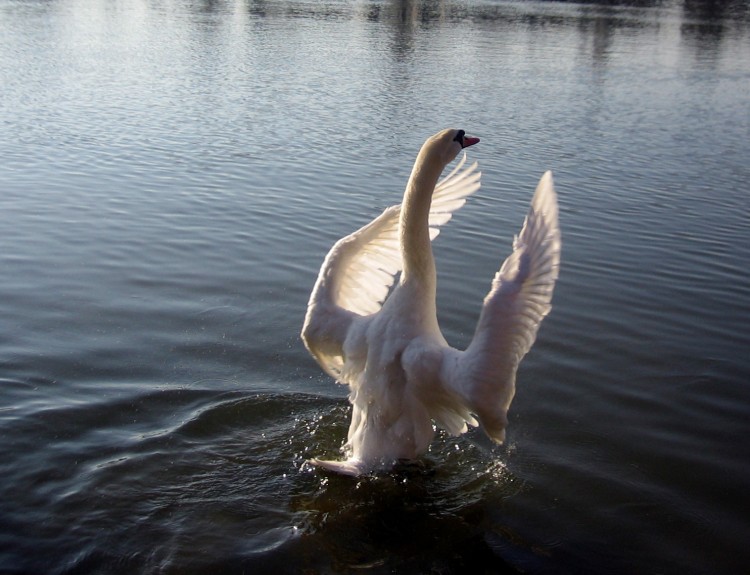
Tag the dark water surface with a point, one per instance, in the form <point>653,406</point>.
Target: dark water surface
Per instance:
<point>171,176</point>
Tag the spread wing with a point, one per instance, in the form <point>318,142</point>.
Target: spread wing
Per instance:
<point>360,269</point>
<point>366,262</point>
<point>518,301</point>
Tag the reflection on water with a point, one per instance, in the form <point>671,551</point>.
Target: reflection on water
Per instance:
<point>172,175</point>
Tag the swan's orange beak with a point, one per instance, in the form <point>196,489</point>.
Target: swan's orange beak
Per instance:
<point>470,141</point>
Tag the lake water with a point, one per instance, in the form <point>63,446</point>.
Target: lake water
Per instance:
<point>171,177</point>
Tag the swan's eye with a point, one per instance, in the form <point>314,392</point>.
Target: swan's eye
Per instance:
<point>460,137</point>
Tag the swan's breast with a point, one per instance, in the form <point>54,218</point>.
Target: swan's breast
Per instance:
<point>422,362</point>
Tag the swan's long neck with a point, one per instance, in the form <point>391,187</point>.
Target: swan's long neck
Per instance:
<point>414,229</point>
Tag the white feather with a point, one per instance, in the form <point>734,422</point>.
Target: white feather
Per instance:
<point>384,341</point>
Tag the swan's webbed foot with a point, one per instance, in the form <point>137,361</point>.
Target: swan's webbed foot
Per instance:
<point>351,467</point>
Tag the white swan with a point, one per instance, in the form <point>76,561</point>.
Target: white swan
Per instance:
<point>388,347</point>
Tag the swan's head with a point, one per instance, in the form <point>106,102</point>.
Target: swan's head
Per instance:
<point>445,145</point>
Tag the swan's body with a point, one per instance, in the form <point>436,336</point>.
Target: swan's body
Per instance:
<point>388,348</point>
